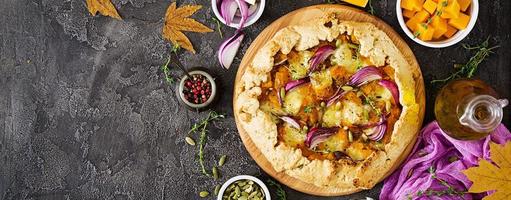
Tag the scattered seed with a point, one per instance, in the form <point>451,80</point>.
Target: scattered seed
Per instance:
<point>217,189</point>
<point>222,160</point>
<point>190,141</point>
<point>347,88</point>
<point>215,173</point>
<point>350,136</point>
<point>204,194</point>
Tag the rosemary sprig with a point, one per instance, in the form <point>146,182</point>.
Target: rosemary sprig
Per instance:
<point>165,68</point>
<point>281,194</point>
<point>468,69</point>
<point>202,140</point>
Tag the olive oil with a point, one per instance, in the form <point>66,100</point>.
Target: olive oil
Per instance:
<point>468,109</point>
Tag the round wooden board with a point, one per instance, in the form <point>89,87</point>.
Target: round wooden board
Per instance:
<point>298,17</point>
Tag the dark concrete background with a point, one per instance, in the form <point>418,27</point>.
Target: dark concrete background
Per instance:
<point>84,113</point>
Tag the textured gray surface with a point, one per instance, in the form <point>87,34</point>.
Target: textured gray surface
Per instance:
<point>84,113</point>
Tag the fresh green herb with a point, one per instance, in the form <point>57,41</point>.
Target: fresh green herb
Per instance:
<point>416,34</point>
<point>218,26</point>
<point>368,100</point>
<point>451,191</point>
<point>165,68</point>
<point>201,128</point>
<point>281,194</point>
<point>308,109</point>
<point>371,9</point>
<point>468,69</point>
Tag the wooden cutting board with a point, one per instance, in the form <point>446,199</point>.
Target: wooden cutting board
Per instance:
<point>298,17</point>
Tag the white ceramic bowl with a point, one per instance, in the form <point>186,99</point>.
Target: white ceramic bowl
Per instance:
<point>244,177</point>
<point>473,11</point>
<point>235,24</point>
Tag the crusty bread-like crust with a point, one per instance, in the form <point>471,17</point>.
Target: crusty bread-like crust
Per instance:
<point>344,177</point>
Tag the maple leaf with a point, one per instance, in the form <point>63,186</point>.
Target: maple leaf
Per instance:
<point>105,7</point>
<point>176,21</point>
<point>490,177</point>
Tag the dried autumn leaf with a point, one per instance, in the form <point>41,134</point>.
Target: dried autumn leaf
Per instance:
<point>176,21</point>
<point>105,7</point>
<point>490,177</point>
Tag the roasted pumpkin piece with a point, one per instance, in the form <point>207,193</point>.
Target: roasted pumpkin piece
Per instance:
<point>415,5</point>
<point>299,63</point>
<point>282,76</point>
<point>361,3</point>
<point>461,22</point>
<point>464,4</point>
<point>430,6</point>
<point>417,19</point>
<point>408,13</point>
<point>440,26</point>
<point>450,31</point>
<point>449,8</point>
<point>425,32</point>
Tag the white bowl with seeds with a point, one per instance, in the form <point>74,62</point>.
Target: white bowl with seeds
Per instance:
<point>244,187</point>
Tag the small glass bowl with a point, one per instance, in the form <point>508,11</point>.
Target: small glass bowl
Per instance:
<point>181,87</point>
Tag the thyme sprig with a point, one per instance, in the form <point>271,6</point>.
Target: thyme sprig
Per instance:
<point>370,7</point>
<point>165,68</point>
<point>468,69</point>
<point>281,194</point>
<point>451,191</point>
<point>217,22</point>
<point>201,128</point>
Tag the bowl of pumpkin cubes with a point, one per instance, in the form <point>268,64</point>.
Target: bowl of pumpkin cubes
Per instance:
<point>437,23</point>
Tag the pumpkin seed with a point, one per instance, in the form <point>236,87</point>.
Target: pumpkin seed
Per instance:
<point>217,189</point>
<point>222,160</point>
<point>215,173</point>
<point>190,141</point>
<point>204,194</point>
<point>350,136</point>
<point>347,88</point>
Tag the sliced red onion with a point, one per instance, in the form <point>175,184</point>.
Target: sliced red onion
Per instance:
<point>293,84</point>
<point>378,132</point>
<point>291,122</point>
<point>251,10</point>
<point>250,1</point>
<point>244,12</point>
<point>228,49</point>
<point>317,135</point>
<point>365,75</point>
<point>335,97</point>
<point>228,9</point>
<point>392,87</point>
<point>321,55</point>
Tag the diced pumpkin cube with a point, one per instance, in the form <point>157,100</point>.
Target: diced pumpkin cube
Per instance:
<point>361,3</point>
<point>450,31</point>
<point>418,18</point>
<point>413,5</point>
<point>464,4</point>
<point>436,1</point>
<point>448,8</point>
<point>429,6</point>
<point>461,22</point>
<point>425,32</point>
<point>408,13</point>
<point>440,26</point>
